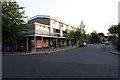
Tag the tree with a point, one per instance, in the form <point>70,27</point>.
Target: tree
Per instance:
<point>115,31</point>
<point>95,38</point>
<point>79,34</point>
<point>87,37</point>
<point>71,34</point>
<point>75,35</point>
<point>101,34</point>
<point>12,23</point>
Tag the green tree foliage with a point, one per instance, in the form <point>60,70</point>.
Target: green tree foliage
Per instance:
<point>87,37</point>
<point>102,37</point>
<point>77,34</point>
<point>71,34</point>
<point>12,22</point>
<point>101,34</point>
<point>115,32</point>
<point>95,38</point>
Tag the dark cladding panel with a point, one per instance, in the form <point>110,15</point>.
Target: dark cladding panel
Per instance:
<point>45,21</point>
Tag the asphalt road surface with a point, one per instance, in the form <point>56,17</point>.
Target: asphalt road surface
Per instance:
<point>93,61</point>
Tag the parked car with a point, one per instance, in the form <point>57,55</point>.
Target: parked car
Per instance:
<point>107,43</point>
<point>102,42</point>
<point>83,44</point>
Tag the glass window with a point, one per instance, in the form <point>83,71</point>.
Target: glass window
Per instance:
<point>53,22</point>
<point>61,25</point>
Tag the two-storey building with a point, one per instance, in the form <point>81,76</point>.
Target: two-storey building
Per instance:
<point>46,31</point>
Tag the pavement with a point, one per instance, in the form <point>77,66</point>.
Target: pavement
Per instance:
<point>113,50</point>
<point>110,48</point>
<point>46,51</point>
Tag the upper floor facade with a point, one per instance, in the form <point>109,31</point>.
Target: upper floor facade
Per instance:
<point>47,25</point>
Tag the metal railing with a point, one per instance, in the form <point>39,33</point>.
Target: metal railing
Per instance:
<point>46,33</point>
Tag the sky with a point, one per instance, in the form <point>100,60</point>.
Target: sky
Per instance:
<point>96,14</point>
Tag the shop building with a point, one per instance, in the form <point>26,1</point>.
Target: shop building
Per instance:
<point>46,31</point>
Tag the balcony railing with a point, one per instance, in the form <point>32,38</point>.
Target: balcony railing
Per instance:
<point>57,34</point>
<point>65,35</point>
<point>47,33</point>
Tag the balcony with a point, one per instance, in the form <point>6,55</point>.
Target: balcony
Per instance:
<point>46,33</point>
<point>57,34</point>
<point>65,35</point>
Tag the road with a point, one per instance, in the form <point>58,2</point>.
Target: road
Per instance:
<point>93,61</point>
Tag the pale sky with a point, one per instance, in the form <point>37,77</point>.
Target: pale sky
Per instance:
<point>96,14</point>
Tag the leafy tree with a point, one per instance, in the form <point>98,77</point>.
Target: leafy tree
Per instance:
<point>115,32</point>
<point>95,37</point>
<point>101,34</point>
<point>77,34</point>
<point>71,34</point>
<point>87,37</point>
<point>12,23</point>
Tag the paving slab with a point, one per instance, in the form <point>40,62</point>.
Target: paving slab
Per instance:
<point>46,51</point>
<point>113,50</point>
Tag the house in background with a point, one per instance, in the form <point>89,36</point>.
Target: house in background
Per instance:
<point>46,31</point>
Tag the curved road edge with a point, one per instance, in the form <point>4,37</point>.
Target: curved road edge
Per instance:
<point>112,49</point>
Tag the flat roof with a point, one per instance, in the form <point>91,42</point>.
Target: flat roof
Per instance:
<point>50,17</point>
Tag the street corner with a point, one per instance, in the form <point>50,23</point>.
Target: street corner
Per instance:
<point>115,52</point>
